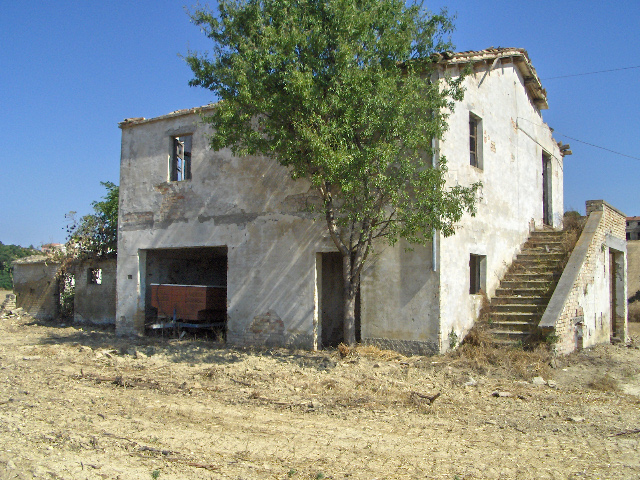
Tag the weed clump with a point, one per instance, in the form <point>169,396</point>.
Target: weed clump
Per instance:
<point>478,353</point>
<point>605,383</point>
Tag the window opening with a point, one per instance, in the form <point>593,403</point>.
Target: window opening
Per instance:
<point>475,152</point>
<point>181,159</point>
<point>477,273</point>
<point>94,276</point>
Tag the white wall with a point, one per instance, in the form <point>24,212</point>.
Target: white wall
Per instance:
<point>513,139</point>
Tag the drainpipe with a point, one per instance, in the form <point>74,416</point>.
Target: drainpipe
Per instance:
<point>434,267</point>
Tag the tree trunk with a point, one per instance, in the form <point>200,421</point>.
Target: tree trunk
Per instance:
<point>349,307</point>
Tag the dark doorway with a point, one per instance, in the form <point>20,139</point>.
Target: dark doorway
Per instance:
<point>612,293</point>
<point>331,300</point>
<point>547,212</point>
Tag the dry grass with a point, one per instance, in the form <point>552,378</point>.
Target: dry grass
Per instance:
<point>605,383</point>
<point>573,221</point>
<point>478,353</point>
<point>375,353</point>
<point>572,225</point>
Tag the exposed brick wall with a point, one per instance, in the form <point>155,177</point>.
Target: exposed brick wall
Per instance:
<point>603,220</point>
<point>265,330</point>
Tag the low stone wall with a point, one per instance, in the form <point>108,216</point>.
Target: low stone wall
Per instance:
<point>579,312</point>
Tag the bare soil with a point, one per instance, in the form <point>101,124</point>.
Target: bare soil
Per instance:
<point>80,403</point>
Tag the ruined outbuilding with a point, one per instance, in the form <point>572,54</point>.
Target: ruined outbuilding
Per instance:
<point>190,216</point>
<point>95,291</point>
<point>35,286</point>
<point>43,285</point>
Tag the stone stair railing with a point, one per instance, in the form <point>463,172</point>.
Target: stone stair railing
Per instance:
<point>580,311</point>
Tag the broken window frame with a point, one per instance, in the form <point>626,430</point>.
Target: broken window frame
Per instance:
<point>475,141</point>
<point>180,160</point>
<point>94,276</point>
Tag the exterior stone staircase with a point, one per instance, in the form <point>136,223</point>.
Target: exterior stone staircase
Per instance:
<point>524,292</point>
<point>9,303</point>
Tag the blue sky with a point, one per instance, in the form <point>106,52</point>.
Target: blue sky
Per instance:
<point>71,70</point>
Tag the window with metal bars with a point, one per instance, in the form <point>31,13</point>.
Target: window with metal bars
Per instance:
<point>180,168</point>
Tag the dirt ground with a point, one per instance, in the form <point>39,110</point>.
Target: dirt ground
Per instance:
<point>80,403</point>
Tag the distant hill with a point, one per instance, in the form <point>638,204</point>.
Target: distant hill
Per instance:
<point>9,253</point>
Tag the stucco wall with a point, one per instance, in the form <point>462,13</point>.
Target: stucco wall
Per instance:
<point>95,303</point>
<point>252,207</point>
<point>400,307</point>
<point>35,286</point>
<point>513,140</point>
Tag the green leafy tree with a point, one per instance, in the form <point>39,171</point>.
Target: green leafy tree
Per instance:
<point>96,234</point>
<point>340,92</point>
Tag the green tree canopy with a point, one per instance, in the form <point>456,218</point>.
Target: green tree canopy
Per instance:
<point>96,234</point>
<point>342,93</point>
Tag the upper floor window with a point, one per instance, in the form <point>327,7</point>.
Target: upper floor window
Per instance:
<point>94,276</point>
<point>475,141</point>
<point>180,166</point>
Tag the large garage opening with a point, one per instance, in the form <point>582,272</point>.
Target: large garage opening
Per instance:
<point>186,290</point>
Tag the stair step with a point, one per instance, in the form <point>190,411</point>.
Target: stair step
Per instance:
<point>543,285</point>
<point>543,256</point>
<point>511,334</point>
<point>523,277</point>
<point>542,249</point>
<point>518,327</point>
<point>522,292</point>
<point>520,300</point>
<point>506,342</point>
<point>543,233</point>
<point>517,307</point>
<point>533,317</point>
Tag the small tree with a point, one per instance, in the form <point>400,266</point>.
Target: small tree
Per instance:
<point>95,234</point>
<point>340,92</point>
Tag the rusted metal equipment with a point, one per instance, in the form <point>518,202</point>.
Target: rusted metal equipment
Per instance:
<point>189,306</point>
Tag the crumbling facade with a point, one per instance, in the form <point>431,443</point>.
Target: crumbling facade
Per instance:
<point>35,283</point>
<point>193,216</point>
<point>90,285</point>
<point>95,291</point>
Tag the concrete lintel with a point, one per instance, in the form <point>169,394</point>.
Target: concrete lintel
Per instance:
<point>616,243</point>
<point>571,272</point>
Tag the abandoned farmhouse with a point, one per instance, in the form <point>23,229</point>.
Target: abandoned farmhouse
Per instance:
<point>208,237</point>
